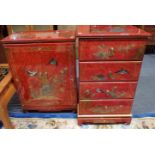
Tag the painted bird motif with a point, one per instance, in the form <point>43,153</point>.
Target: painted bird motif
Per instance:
<point>32,73</point>
<point>122,71</point>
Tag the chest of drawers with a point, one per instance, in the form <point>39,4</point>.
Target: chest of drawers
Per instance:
<point>110,59</point>
<point>43,69</point>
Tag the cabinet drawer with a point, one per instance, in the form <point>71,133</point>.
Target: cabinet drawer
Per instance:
<point>111,50</point>
<point>107,90</point>
<point>110,71</point>
<point>105,107</point>
<point>104,120</point>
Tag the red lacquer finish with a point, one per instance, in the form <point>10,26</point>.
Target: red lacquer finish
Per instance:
<point>104,90</point>
<point>110,71</point>
<point>111,32</point>
<point>110,59</point>
<point>40,36</point>
<point>44,74</point>
<point>98,49</point>
<point>101,120</point>
<point>105,107</point>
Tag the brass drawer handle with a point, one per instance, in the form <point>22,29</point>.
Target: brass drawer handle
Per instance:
<point>53,62</point>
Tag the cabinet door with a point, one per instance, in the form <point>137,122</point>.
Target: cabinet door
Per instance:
<point>44,73</point>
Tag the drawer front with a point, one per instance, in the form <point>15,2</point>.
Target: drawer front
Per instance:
<point>44,73</point>
<point>105,107</point>
<point>110,71</point>
<point>104,90</point>
<point>112,120</point>
<point>111,50</point>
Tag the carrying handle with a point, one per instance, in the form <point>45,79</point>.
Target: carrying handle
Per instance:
<point>53,61</point>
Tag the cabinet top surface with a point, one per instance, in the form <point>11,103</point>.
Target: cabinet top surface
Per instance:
<point>111,31</point>
<point>40,36</point>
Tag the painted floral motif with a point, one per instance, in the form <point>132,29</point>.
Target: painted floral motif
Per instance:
<point>113,93</point>
<point>126,48</point>
<point>48,86</point>
<point>99,77</point>
<point>140,53</point>
<point>105,109</point>
<point>104,52</point>
<point>110,75</point>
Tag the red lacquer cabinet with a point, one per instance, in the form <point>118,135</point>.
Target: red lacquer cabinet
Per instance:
<point>43,69</point>
<point>110,59</point>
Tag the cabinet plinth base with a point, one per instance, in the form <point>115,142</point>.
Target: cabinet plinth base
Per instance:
<point>107,120</point>
<point>49,108</point>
